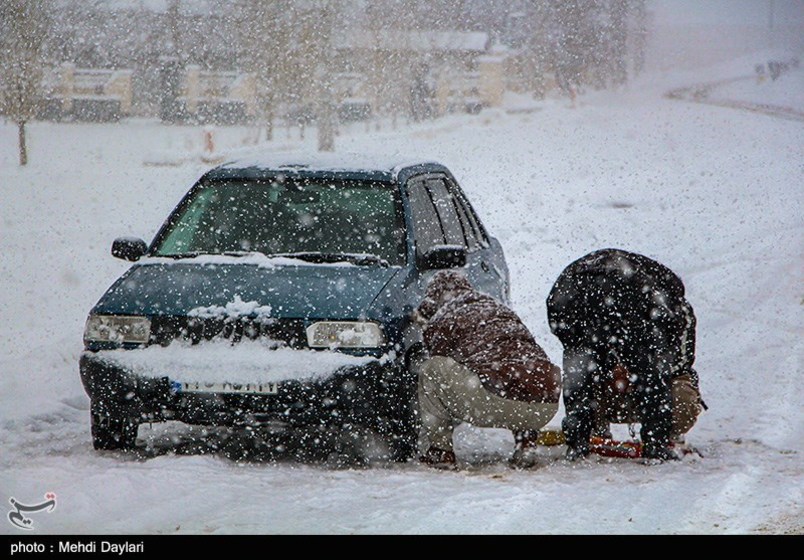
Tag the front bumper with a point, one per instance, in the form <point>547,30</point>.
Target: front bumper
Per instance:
<point>378,394</point>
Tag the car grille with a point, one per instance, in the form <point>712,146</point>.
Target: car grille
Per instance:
<point>290,332</point>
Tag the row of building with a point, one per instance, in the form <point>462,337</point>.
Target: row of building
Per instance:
<point>423,74</point>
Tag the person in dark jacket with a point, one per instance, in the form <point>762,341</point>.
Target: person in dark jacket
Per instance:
<point>629,345</point>
<point>484,368</point>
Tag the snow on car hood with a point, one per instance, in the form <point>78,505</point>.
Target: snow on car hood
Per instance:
<point>299,291</point>
<point>249,361</point>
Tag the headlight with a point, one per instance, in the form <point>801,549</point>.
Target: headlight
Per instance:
<point>119,329</point>
<point>344,334</point>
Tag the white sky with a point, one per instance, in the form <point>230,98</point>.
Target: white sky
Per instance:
<point>728,12</point>
<point>667,12</point>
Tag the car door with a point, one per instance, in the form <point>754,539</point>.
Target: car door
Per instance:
<point>427,229</point>
<point>490,251</point>
<point>441,216</point>
<point>462,227</point>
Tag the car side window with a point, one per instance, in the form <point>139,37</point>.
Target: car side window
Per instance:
<point>469,228</point>
<point>426,226</point>
<point>468,213</point>
<point>453,232</point>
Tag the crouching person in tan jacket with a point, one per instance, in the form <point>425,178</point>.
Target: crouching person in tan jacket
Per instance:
<point>484,368</point>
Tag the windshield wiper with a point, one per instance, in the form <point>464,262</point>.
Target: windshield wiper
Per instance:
<point>188,255</point>
<point>193,254</point>
<point>361,259</point>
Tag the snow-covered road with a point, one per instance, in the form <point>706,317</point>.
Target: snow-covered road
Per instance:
<point>715,193</point>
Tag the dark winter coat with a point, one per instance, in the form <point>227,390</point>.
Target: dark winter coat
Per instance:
<point>620,311</point>
<point>487,337</point>
<point>612,298</point>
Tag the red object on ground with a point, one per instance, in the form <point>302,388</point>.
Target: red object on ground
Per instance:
<point>614,448</point>
<point>606,447</point>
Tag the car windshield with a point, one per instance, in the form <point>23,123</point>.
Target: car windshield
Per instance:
<point>314,219</point>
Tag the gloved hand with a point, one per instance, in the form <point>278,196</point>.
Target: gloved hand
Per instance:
<point>418,318</point>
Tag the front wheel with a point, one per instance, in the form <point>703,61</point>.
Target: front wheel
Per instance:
<point>110,431</point>
<point>404,444</point>
<point>403,439</point>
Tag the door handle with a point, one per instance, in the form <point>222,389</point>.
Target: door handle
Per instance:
<point>484,266</point>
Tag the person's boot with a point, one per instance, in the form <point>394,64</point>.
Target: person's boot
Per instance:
<point>656,404</point>
<point>526,449</point>
<point>577,433</point>
<point>438,458</point>
<point>577,453</point>
<point>659,452</point>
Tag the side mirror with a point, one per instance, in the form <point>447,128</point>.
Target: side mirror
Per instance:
<point>129,248</point>
<point>442,256</point>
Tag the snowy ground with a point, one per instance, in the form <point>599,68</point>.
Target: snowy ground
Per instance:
<point>715,193</point>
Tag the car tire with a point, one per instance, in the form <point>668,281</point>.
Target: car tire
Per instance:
<point>110,431</point>
<point>403,438</point>
<point>403,445</point>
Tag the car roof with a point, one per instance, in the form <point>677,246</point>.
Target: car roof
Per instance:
<point>348,166</point>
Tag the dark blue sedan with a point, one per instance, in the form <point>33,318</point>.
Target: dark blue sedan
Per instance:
<point>281,292</point>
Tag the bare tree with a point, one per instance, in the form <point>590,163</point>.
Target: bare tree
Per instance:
<point>378,64</point>
<point>618,48</point>
<point>537,47</point>
<point>571,37</point>
<point>288,47</point>
<point>640,34</point>
<point>586,42</point>
<point>263,46</point>
<point>397,57</point>
<point>173,21</point>
<point>24,27</point>
<point>321,51</point>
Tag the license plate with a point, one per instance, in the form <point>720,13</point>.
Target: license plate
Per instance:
<point>249,388</point>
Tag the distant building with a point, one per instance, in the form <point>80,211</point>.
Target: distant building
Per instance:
<point>189,61</point>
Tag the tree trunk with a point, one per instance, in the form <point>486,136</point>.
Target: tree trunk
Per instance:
<point>269,121</point>
<point>326,127</point>
<point>619,40</point>
<point>641,37</point>
<point>23,146</point>
<point>325,109</point>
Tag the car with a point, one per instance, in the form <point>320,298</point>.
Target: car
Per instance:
<point>281,291</point>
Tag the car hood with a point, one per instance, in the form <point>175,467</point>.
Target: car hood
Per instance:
<point>304,291</point>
